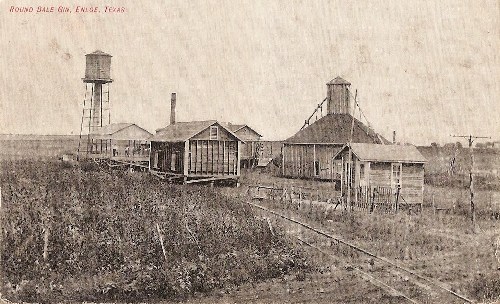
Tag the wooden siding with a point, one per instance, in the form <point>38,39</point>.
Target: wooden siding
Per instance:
<point>212,157</point>
<point>412,183</point>
<point>309,161</point>
<point>380,174</point>
<point>205,134</point>
<point>338,99</point>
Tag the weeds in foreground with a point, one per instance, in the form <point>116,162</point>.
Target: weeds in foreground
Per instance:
<point>81,234</point>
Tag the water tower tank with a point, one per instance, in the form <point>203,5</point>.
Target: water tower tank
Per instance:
<point>98,67</point>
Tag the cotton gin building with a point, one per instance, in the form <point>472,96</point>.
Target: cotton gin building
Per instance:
<point>195,151</point>
<point>310,152</point>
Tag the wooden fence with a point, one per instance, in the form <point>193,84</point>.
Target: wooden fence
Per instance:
<point>375,199</point>
<point>366,199</point>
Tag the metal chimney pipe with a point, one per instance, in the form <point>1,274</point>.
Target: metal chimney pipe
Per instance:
<point>172,108</point>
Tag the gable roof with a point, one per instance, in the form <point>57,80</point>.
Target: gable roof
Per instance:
<point>110,132</point>
<point>385,153</point>
<point>338,80</point>
<point>111,128</point>
<point>182,131</point>
<point>336,129</point>
<point>235,128</point>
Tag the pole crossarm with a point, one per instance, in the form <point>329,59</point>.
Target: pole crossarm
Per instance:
<point>471,138</point>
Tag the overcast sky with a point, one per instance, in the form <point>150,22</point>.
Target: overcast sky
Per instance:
<point>426,69</point>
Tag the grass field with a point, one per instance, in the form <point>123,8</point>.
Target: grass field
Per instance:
<point>78,233</point>
<point>89,234</point>
<point>36,147</point>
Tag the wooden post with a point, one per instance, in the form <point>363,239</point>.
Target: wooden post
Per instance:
<point>218,157</point>
<point>196,157</point>
<point>186,158</point>
<point>314,161</point>
<point>470,139</point>
<point>150,154</point>
<point>300,196</point>
<point>471,186</point>
<point>342,177</point>
<point>397,198</point>
<point>206,167</point>
<point>223,156</point>
<point>349,177</point>
<point>372,207</point>
<point>282,159</point>
<point>238,159</point>
<point>212,149</point>
<point>201,158</point>
<point>161,242</point>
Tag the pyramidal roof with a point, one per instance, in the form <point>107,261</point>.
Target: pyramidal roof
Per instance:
<point>336,129</point>
<point>339,80</point>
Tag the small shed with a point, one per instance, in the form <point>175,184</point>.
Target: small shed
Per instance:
<point>120,141</point>
<point>196,151</point>
<point>395,167</point>
<point>251,147</point>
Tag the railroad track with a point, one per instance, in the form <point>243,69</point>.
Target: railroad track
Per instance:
<point>394,278</point>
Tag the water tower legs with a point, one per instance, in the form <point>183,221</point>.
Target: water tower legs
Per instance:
<point>96,108</point>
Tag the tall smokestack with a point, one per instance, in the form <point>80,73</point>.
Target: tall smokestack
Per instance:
<point>172,109</point>
<point>394,137</point>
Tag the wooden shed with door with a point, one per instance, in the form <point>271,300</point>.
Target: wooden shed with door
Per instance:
<point>196,151</point>
<point>394,168</point>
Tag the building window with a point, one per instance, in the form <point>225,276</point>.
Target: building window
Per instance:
<point>396,173</point>
<point>214,133</point>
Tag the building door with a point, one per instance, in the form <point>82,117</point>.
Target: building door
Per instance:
<point>396,174</point>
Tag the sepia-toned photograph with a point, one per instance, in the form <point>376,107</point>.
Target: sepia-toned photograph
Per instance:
<point>216,151</point>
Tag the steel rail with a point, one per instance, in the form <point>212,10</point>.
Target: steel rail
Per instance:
<point>338,239</point>
<point>387,287</point>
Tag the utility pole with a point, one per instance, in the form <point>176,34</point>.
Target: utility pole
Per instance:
<point>350,160</point>
<point>471,139</point>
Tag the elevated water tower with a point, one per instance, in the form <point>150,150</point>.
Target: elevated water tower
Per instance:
<point>96,110</point>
